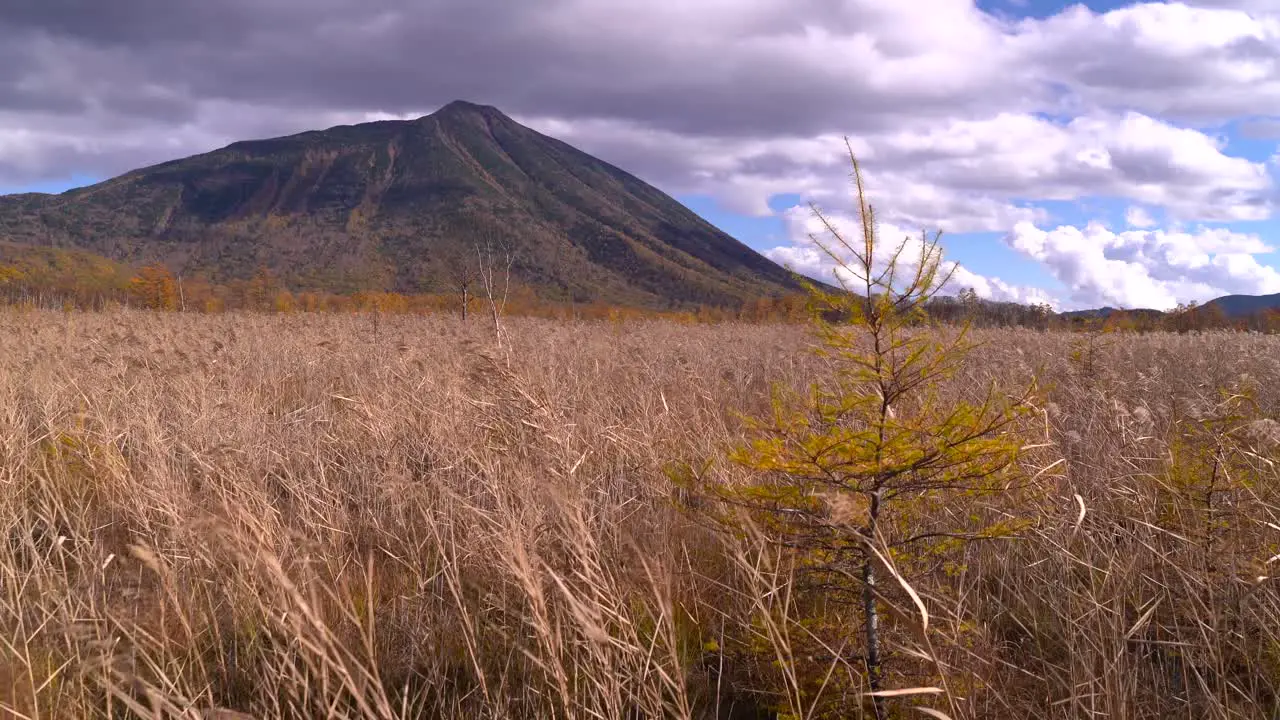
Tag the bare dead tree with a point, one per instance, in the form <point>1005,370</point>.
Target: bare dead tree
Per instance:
<point>495,277</point>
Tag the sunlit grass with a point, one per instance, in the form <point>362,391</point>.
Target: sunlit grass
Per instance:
<point>295,516</point>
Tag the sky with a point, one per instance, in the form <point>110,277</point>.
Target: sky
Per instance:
<point>1104,153</point>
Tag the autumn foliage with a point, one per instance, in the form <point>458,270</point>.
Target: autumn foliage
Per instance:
<point>61,278</point>
<point>154,288</point>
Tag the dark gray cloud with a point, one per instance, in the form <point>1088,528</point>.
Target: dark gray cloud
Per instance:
<point>745,69</point>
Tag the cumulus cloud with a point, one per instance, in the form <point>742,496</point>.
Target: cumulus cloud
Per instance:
<point>993,288</point>
<point>1138,217</point>
<point>1126,155</point>
<point>957,175</point>
<point>833,261</point>
<point>1148,268</point>
<point>1203,64</point>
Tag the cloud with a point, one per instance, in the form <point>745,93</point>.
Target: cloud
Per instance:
<point>110,77</point>
<point>740,99</point>
<point>1261,129</point>
<point>1138,217</point>
<point>686,66</point>
<point>42,146</point>
<point>1125,155</point>
<point>1148,268</point>
<point>805,256</point>
<point>993,288</point>
<point>958,175</point>
<point>1198,64</point>
<point>1259,8</point>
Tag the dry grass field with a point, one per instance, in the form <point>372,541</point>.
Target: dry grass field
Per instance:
<point>323,516</point>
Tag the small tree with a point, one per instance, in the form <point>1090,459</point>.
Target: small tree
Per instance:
<point>284,302</point>
<point>972,304</point>
<point>260,292</point>
<point>10,279</point>
<point>857,472</point>
<point>154,288</point>
<point>463,274</point>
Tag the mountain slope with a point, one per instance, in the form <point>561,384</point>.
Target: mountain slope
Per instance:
<point>406,205</point>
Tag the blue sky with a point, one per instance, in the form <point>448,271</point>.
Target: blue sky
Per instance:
<point>54,185</point>
<point>1102,153</point>
<point>1044,8</point>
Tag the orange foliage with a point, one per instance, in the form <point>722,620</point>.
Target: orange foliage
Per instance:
<point>154,288</point>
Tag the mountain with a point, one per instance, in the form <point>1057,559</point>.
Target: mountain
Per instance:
<point>407,206</point>
<point>1245,305</point>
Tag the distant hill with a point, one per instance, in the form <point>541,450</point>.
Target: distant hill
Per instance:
<point>1101,312</point>
<point>404,206</point>
<point>1244,305</point>
<point>1108,311</point>
<point>1232,306</point>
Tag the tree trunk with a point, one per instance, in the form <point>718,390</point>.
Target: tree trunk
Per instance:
<point>497,321</point>
<point>870,611</point>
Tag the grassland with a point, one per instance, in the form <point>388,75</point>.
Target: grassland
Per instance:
<point>328,516</point>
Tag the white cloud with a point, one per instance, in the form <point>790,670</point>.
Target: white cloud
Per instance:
<point>959,175</point>
<point>1148,269</point>
<point>993,288</point>
<point>1166,58</point>
<point>804,256</point>
<point>1125,155</point>
<point>1258,8</point>
<point>1138,217</point>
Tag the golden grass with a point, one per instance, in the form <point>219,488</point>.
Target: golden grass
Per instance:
<point>314,516</point>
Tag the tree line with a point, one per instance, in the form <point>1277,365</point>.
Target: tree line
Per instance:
<point>155,287</point>
<point>966,306</point>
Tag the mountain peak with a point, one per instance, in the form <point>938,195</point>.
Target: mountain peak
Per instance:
<point>459,108</point>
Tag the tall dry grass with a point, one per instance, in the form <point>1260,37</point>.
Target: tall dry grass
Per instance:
<point>317,516</point>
